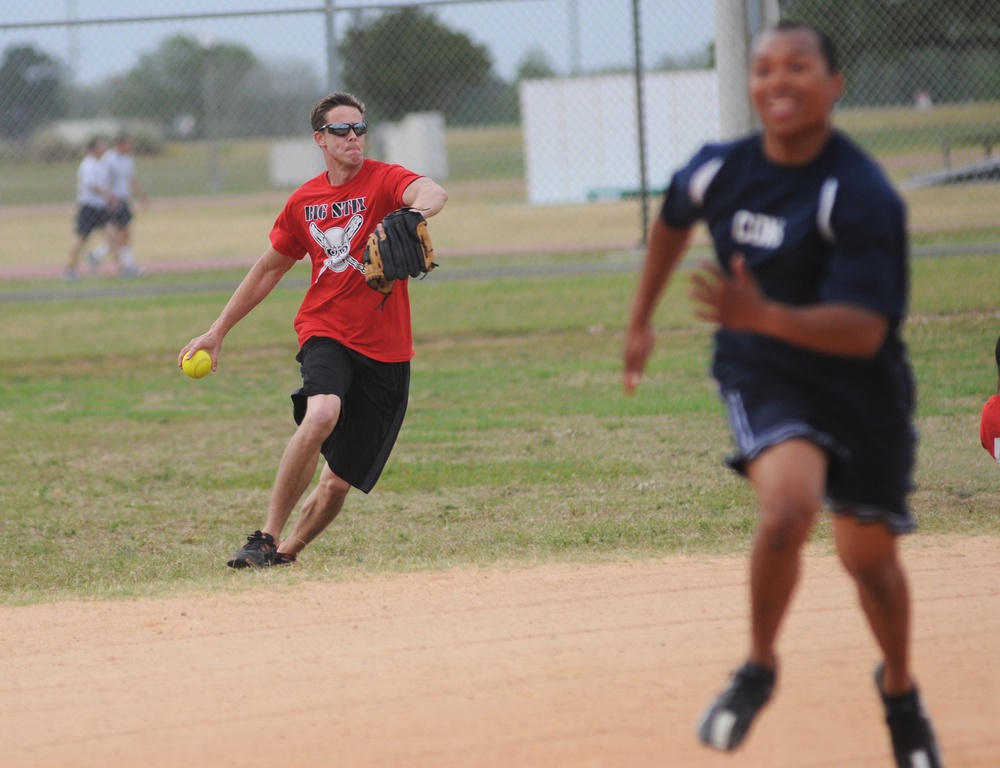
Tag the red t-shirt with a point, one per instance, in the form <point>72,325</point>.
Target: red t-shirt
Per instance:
<point>989,427</point>
<point>331,225</point>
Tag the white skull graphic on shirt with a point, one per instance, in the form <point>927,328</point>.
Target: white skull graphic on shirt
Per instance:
<point>336,243</point>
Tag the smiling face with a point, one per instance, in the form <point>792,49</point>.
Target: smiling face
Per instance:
<point>793,89</point>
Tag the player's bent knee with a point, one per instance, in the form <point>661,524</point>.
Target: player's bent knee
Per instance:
<point>322,414</point>
<point>870,566</point>
<point>785,529</point>
<point>333,485</point>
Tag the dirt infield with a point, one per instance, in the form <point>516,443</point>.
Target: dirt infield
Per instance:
<point>564,665</point>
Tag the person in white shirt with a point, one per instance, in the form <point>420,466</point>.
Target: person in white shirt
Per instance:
<point>94,198</point>
<point>125,185</point>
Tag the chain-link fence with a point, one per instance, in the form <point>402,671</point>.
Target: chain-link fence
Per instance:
<point>541,94</point>
<point>923,81</point>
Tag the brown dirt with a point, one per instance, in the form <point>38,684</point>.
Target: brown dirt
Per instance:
<point>599,665</point>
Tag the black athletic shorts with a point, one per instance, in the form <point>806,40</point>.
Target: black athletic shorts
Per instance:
<point>120,215</point>
<point>870,464</point>
<point>89,218</point>
<point>373,399</point>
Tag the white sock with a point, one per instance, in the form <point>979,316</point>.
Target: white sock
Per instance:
<point>126,256</point>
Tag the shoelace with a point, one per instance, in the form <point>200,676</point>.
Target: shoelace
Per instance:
<point>256,540</point>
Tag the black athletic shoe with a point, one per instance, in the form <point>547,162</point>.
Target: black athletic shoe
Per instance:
<point>913,742</point>
<point>258,552</point>
<point>727,719</point>
<point>284,558</point>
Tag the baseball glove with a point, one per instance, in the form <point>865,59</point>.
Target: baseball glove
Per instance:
<point>403,250</point>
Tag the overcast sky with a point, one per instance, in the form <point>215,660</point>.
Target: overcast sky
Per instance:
<point>593,34</point>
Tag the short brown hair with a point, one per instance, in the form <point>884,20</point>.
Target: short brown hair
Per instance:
<point>340,99</point>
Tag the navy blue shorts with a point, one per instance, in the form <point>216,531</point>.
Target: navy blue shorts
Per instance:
<point>89,218</point>
<point>870,464</point>
<point>373,399</point>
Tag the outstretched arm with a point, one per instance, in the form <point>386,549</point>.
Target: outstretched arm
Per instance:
<point>666,247</point>
<point>255,287</point>
<point>426,196</point>
<point>736,302</point>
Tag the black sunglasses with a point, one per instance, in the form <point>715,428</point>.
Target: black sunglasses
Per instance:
<point>342,129</point>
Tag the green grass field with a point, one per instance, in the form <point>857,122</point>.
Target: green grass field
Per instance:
<point>123,478</point>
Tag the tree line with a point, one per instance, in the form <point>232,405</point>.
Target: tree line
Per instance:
<point>406,60</point>
<point>398,62</point>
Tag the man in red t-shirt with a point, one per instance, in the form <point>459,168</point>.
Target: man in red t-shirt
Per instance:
<point>989,420</point>
<point>355,343</point>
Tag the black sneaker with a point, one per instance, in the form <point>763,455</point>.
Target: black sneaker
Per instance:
<point>727,719</point>
<point>258,552</point>
<point>285,558</point>
<point>913,742</point>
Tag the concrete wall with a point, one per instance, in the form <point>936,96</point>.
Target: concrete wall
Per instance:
<point>418,143</point>
<point>294,161</point>
<point>581,133</point>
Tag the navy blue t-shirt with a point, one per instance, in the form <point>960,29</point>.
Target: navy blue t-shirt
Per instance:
<point>830,231</point>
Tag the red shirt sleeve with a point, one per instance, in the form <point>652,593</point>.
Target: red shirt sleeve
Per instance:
<point>989,427</point>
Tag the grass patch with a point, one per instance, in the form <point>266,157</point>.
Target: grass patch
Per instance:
<point>124,478</point>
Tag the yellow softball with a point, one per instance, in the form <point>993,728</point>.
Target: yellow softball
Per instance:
<point>197,365</point>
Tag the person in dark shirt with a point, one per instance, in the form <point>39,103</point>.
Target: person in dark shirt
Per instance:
<point>809,294</point>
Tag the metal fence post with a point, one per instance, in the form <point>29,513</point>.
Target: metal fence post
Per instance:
<point>640,121</point>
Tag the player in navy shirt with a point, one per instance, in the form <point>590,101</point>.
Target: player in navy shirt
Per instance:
<point>809,292</point>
